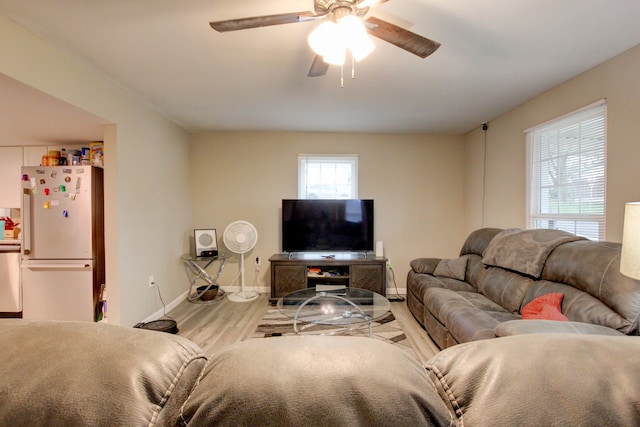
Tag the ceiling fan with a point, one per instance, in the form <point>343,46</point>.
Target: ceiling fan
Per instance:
<point>335,11</point>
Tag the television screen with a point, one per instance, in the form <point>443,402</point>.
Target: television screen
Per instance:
<point>327,225</point>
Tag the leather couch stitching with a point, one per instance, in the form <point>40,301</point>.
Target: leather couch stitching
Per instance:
<point>182,420</point>
<point>604,273</point>
<point>167,394</point>
<point>449,393</point>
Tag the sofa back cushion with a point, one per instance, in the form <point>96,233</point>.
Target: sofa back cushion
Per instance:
<point>579,306</point>
<point>505,288</point>
<point>312,381</point>
<point>478,241</point>
<point>476,270</point>
<point>588,274</point>
<point>541,380</point>
<point>424,265</point>
<point>525,251</point>
<point>93,374</point>
<point>451,268</point>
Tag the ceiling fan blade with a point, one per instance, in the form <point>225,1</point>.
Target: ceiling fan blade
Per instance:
<point>411,42</point>
<point>318,67</point>
<point>261,21</point>
<point>369,3</point>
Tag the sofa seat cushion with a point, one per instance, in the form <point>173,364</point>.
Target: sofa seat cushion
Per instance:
<point>314,381</point>
<point>468,316</point>
<point>588,380</point>
<point>438,333</point>
<point>91,374</point>
<point>518,327</point>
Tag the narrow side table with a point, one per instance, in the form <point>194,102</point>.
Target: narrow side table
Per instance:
<point>198,276</point>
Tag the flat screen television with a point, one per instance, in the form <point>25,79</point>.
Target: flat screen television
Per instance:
<point>316,225</point>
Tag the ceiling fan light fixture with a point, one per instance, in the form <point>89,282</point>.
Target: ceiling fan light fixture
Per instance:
<point>336,55</point>
<point>323,39</point>
<point>361,47</point>
<point>330,40</point>
<point>350,25</point>
<point>355,36</point>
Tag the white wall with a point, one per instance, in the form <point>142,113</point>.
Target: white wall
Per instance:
<point>148,204</point>
<point>415,180</point>
<point>617,81</point>
<point>428,188</point>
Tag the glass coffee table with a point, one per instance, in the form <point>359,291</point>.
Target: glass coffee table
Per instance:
<point>342,307</point>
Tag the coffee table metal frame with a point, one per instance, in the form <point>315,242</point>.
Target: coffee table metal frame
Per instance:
<point>358,314</point>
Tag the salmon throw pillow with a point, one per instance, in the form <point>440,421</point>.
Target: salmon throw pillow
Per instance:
<point>546,307</point>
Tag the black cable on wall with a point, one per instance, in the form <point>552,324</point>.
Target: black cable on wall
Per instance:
<point>485,127</point>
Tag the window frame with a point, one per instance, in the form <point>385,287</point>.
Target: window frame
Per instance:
<point>304,160</point>
<point>582,121</point>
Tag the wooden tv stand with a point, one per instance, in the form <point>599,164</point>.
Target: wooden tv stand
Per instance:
<point>300,271</point>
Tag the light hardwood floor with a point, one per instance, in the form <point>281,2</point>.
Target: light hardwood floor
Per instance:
<point>214,326</point>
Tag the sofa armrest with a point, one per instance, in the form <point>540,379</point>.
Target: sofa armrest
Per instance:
<point>519,327</point>
<point>79,373</point>
<point>424,265</point>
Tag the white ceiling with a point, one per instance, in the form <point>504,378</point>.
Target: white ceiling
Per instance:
<point>495,55</point>
<point>31,117</point>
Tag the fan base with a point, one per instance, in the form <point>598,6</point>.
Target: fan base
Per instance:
<point>243,296</point>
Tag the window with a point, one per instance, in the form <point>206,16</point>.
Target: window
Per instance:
<point>327,177</point>
<point>566,176</point>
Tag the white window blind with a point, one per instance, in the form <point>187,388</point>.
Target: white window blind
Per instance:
<point>566,173</point>
<point>327,176</point>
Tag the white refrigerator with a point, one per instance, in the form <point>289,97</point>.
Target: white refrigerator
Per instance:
<point>62,263</point>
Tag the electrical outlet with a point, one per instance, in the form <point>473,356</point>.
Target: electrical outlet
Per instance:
<point>389,264</point>
<point>152,281</point>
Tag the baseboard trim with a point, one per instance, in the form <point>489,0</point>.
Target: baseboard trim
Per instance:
<point>173,304</point>
<point>260,289</point>
<point>231,289</point>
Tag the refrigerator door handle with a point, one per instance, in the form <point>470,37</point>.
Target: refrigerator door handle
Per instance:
<point>56,266</point>
<point>26,221</point>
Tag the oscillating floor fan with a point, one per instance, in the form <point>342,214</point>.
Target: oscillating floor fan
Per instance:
<point>240,237</point>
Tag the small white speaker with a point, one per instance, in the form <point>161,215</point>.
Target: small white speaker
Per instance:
<point>206,242</point>
<point>379,249</point>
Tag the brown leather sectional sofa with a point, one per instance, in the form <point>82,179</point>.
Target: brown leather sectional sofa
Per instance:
<point>500,271</point>
<point>87,374</point>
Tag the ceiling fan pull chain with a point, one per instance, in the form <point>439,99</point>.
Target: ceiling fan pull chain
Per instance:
<point>342,75</point>
<point>353,67</point>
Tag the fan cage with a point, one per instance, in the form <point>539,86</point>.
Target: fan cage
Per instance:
<point>240,237</point>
